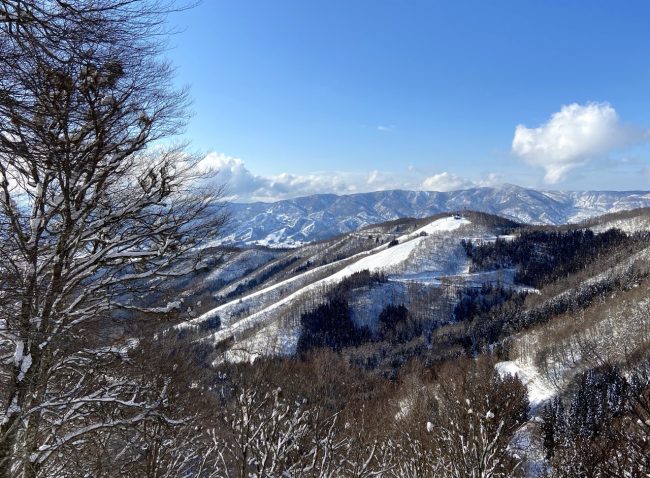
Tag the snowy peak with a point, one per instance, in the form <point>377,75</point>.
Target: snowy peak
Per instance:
<point>293,222</point>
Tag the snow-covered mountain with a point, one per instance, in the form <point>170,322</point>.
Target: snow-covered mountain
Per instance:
<point>297,221</point>
<point>423,253</point>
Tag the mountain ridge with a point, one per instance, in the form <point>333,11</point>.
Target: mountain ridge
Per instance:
<point>292,222</point>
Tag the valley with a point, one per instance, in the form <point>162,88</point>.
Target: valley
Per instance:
<point>436,289</point>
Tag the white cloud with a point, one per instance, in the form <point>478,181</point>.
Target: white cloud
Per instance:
<point>574,136</point>
<point>446,182</point>
<point>490,180</point>
<point>385,128</point>
<point>243,185</point>
<point>231,171</point>
<point>373,177</point>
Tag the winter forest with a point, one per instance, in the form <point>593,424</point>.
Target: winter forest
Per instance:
<point>136,341</point>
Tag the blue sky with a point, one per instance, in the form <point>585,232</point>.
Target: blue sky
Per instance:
<point>294,97</point>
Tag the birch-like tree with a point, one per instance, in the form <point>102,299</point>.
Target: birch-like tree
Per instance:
<point>95,210</point>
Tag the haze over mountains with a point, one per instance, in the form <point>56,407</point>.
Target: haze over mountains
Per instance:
<point>297,221</point>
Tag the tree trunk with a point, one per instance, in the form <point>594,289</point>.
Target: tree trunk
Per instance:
<point>8,432</point>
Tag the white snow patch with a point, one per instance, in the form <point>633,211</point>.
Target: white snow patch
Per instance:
<point>25,364</point>
<point>539,389</point>
<point>446,224</point>
<point>405,406</point>
<point>175,305</point>
<point>18,353</point>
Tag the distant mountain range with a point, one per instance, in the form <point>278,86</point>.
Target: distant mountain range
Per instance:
<point>297,221</point>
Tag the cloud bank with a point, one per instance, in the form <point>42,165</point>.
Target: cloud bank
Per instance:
<point>243,185</point>
<point>446,182</point>
<point>574,136</point>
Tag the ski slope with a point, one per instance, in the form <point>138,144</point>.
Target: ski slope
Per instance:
<point>384,259</point>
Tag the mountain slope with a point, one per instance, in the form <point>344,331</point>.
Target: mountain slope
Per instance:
<point>422,264</point>
<point>563,308</point>
<point>297,221</point>
<point>417,253</point>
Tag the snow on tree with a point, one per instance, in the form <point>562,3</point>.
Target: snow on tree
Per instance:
<point>478,414</point>
<point>95,208</point>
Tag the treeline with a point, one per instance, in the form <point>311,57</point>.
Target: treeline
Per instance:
<point>486,323</point>
<point>400,335</point>
<point>268,272</point>
<point>476,301</point>
<point>541,256</point>
<point>331,323</point>
<point>600,427</point>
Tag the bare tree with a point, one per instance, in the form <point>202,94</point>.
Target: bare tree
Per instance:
<point>264,434</point>
<point>478,414</point>
<point>96,208</point>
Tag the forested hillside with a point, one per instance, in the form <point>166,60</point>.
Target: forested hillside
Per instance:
<point>530,359</point>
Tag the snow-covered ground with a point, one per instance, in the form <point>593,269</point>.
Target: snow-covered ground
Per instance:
<point>254,319</point>
<point>627,225</point>
<point>539,388</point>
<point>242,262</point>
<point>369,302</point>
<point>526,442</point>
